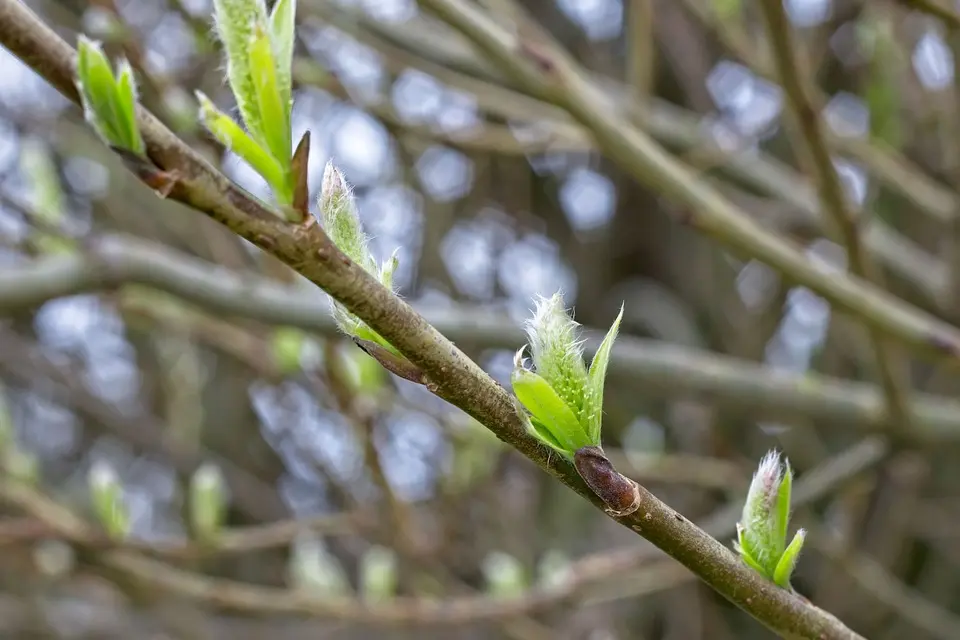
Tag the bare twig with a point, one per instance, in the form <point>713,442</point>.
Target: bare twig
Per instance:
<point>891,365</point>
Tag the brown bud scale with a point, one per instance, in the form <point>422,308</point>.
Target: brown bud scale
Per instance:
<point>620,494</point>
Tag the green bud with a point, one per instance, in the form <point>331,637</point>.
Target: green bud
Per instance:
<point>107,497</point>
<point>288,343</point>
<point>109,103</point>
<point>311,568</point>
<point>341,222</point>
<point>207,502</point>
<point>340,219</point>
<point>762,530</point>
<point>378,574</point>
<point>556,350</point>
<point>563,398</point>
<point>504,575</point>
<point>21,465</point>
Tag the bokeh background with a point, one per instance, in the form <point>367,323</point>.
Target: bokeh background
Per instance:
<point>491,197</point>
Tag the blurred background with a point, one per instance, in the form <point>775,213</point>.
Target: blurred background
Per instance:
<point>359,504</point>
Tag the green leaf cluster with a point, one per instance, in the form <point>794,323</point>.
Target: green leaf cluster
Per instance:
<point>564,399</point>
<point>109,101</point>
<point>259,48</point>
<point>762,530</point>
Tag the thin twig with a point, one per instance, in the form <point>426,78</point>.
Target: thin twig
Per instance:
<point>891,366</point>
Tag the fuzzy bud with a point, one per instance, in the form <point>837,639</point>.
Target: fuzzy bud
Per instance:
<point>378,574</point>
<point>106,495</point>
<point>504,575</point>
<point>563,397</point>
<point>207,502</point>
<point>762,530</point>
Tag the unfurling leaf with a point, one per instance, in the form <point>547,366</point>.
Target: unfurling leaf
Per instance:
<point>547,408</point>
<point>591,415</point>
<point>231,136</point>
<point>109,103</point>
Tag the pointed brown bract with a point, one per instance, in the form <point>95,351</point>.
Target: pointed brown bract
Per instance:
<point>298,167</point>
<point>393,363</point>
<point>162,182</point>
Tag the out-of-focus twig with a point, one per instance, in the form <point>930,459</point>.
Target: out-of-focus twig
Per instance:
<point>891,366</point>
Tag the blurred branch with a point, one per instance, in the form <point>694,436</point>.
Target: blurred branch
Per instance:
<point>892,368</point>
<point>550,73</point>
<point>26,364</point>
<point>237,541</point>
<point>113,260</point>
<point>930,196</point>
<point>887,589</point>
<point>936,9</point>
<point>676,128</point>
<point>252,599</point>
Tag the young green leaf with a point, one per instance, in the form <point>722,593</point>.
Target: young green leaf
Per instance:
<point>235,21</point>
<point>541,432</point>
<point>387,269</point>
<point>98,89</point>
<point>230,135</point>
<point>782,508</point>
<point>788,561</point>
<point>126,96</point>
<point>591,415</point>
<point>540,399</point>
<point>282,22</point>
<point>274,116</point>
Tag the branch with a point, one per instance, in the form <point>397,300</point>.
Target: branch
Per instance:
<point>662,368</point>
<point>891,366</point>
<point>25,364</point>
<point>590,571</point>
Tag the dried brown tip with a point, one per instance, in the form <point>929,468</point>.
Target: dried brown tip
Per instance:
<point>298,166</point>
<point>620,494</point>
<point>393,363</point>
